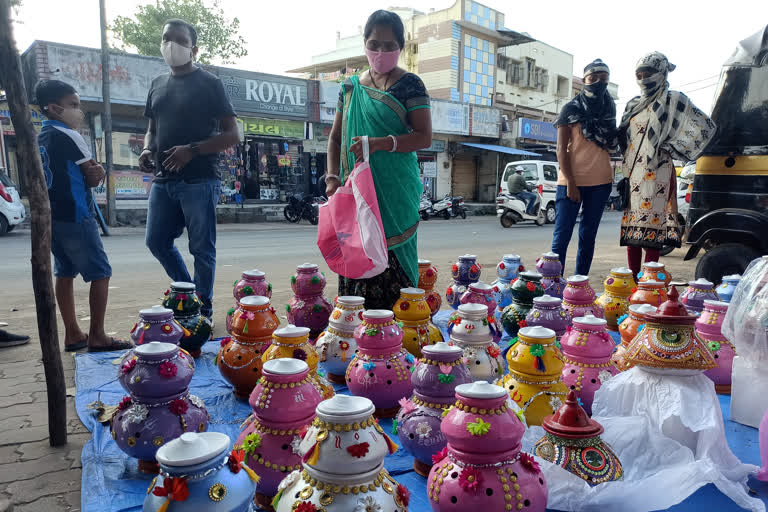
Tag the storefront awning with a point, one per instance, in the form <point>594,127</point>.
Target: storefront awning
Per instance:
<point>500,149</point>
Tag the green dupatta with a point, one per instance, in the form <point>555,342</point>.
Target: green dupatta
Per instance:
<point>368,111</point>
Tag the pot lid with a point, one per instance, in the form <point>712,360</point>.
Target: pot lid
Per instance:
<point>156,348</point>
<point>350,300</point>
<point>654,265</point>
<point>285,366</point>
<point>621,271</point>
<point>515,257</point>
<point>547,299</point>
<point>255,273</point>
<point>473,309</point>
<point>442,348</point>
<point>307,266</point>
<point>590,320</point>
<point>156,310</point>
<point>424,262</point>
<point>571,421</point>
<point>481,287</point>
<point>254,300</point>
<point>578,279</point>
<point>191,448</point>
<point>650,284</point>
<point>642,309</point>
<point>672,311</point>
<point>182,286</point>
<point>480,389</point>
<point>551,255</point>
<point>345,405</point>
<point>378,314</point>
<point>468,257</point>
<point>291,331</point>
<point>411,291</point>
<point>732,277</point>
<point>533,276</point>
<point>537,332</point>
<point>716,304</point>
<point>701,282</point>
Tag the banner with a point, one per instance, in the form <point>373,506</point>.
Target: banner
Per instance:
<point>274,128</point>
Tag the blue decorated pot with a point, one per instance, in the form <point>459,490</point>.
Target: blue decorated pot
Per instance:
<point>728,287</point>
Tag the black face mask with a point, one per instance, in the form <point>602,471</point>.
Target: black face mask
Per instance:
<point>596,89</point>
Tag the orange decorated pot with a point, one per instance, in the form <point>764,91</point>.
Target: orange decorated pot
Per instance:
<point>654,271</point>
<point>629,326</point>
<point>427,280</point>
<point>649,292</point>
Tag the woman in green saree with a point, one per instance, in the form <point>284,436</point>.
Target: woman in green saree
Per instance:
<point>391,107</point>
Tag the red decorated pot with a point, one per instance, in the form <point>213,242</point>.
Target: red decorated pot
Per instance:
<point>427,280</point>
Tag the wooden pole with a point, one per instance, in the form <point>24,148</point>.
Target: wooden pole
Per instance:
<point>28,155</point>
<point>106,118</point>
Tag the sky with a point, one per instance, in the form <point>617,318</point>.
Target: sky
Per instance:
<point>284,34</point>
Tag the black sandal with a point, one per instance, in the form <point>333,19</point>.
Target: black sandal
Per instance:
<point>115,345</point>
<point>80,345</point>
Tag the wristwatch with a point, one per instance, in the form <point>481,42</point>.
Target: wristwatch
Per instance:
<point>195,147</point>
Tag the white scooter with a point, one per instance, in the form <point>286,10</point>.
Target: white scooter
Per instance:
<point>510,210</point>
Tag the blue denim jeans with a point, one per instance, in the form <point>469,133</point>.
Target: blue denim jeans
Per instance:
<point>593,201</point>
<point>173,206</point>
<point>528,198</point>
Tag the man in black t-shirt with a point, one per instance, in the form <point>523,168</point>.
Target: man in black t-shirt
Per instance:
<point>191,121</point>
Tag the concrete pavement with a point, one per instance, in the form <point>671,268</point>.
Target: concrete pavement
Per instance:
<point>36,477</point>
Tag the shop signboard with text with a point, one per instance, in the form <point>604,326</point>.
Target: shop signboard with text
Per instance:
<point>450,117</point>
<point>125,185</point>
<point>274,128</point>
<point>486,122</point>
<point>536,130</point>
<point>258,93</point>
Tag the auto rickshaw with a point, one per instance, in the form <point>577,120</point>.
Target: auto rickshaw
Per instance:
<point>728,217</point>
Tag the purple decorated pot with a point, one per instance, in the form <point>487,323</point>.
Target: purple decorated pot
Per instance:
<point>465,272</point>
<point>308,308</point>
<point>483,467</point>
<point>156,324</point>
<point>551,271</point>
<point>434,380</point>
<point>697,292</point>
<point>709,328</point>
<point>159,407</point>
<point>548,312</point>
<point>381,370</point>
<point>579,298</point>
<point>482,293</point>
<point>587,349</point>
<point>183,300</point>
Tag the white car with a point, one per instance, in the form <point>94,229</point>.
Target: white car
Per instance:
<point>12,211</point>
<point>540,173</point>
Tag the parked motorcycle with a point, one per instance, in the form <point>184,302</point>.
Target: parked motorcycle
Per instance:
<point>457,207</point>
<point>299,208</point>
<point>441,208</point>
<point>512,210</point>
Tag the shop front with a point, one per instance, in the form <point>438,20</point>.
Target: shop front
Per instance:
<point>428,166</point>
<point>538,136</point>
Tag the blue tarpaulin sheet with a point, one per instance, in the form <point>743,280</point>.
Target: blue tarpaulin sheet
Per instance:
<point>111,481</point>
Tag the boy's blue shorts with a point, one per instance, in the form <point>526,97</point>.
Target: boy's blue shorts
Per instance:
<point>77,249</point>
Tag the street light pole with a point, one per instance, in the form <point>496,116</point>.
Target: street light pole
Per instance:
<point>107,116</point>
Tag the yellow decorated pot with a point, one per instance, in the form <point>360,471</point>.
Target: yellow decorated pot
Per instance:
<point>413,311</point>
<point>533,382</point>
<point>293,342</point>
<point>618,287</point>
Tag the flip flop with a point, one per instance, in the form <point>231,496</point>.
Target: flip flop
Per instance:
<point>114,345</point>
<point>74,347</point>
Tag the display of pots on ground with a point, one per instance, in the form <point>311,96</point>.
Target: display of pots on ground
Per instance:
<point>308,308</point>
<point>434,380</point>
<point>381,369</point>
<point>465,272</point>
<point>159,407</point>
<point>653,293</point>
<point>709,328</point>
<point>697,292</point>
<point>618,287</point>
<point>252,282</point>
<point>548,312</point>
<point>524,290</point>
<point>239,358</point>
<point>156,324</point>
<point>412,310</point>
<point>483,467</point>
<point>728,287</point>
<point>336,345</point>
<point>199,472</point>
<point>469,329</point>
<point>551,271</point>
<point>427,280</point>
<point>283,403</point>
<point>183,300</point>
<point>506,271</point>
<point>579,298</point>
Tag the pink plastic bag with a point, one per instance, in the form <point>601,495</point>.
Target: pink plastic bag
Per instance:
<point>350,233</point>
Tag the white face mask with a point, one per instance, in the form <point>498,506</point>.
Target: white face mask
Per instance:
<point>175,55</point>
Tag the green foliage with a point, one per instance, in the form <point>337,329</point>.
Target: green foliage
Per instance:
<point>217,36</point>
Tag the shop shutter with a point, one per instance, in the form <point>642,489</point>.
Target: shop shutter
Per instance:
<point>464,177</point>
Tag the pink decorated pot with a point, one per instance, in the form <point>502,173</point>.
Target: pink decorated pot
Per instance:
<point>697,292</point>
<point>709,328</point>
<point>579,298</point>
<point>252,282</point>
<point>308,308</point>
<point>548,312</point>
<point>381,370</point>
<point>283,403</point>
<point>156,324</point>
<point>483,467</point>
<point>587,349</point>
<point>482,293</point>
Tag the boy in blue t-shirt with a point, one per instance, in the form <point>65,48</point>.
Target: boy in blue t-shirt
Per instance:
<point>70,172</point>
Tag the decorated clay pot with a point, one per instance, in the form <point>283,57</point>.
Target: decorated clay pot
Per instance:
<point>199,472</point>
<point>697,292</point>
<point>156,376</point>
<point>524,290</point>
<point>252,282</point>
<point>507,270</point>
<point>427,280</point>
<point>669,344</point>
<point>483,467</point>
<point>465,272</point>
<point>283,403</point>
<point>579,298</point>
<point>308,308</point>
<point>183,300</point>
<point>535,366</point>
<point>709,328</point>
<point>381,369</point>
<point>293,342</point>
<point>156,324</point>
<point>572,441</point>
<point>469,329</point>
<point>587,349</point>
<point>654,271</point>
<point>630,325</point>
<point>618,287</point>
<point>344,452</point>
<point>548,312</point>
<point>728,287</point>
<point>434,381</point>
<point>239,359</point>
<point>412,310</point>
<point>482,293</point>
<point>551,270</point>
<point>336,345</point>
<point>653,293</point>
